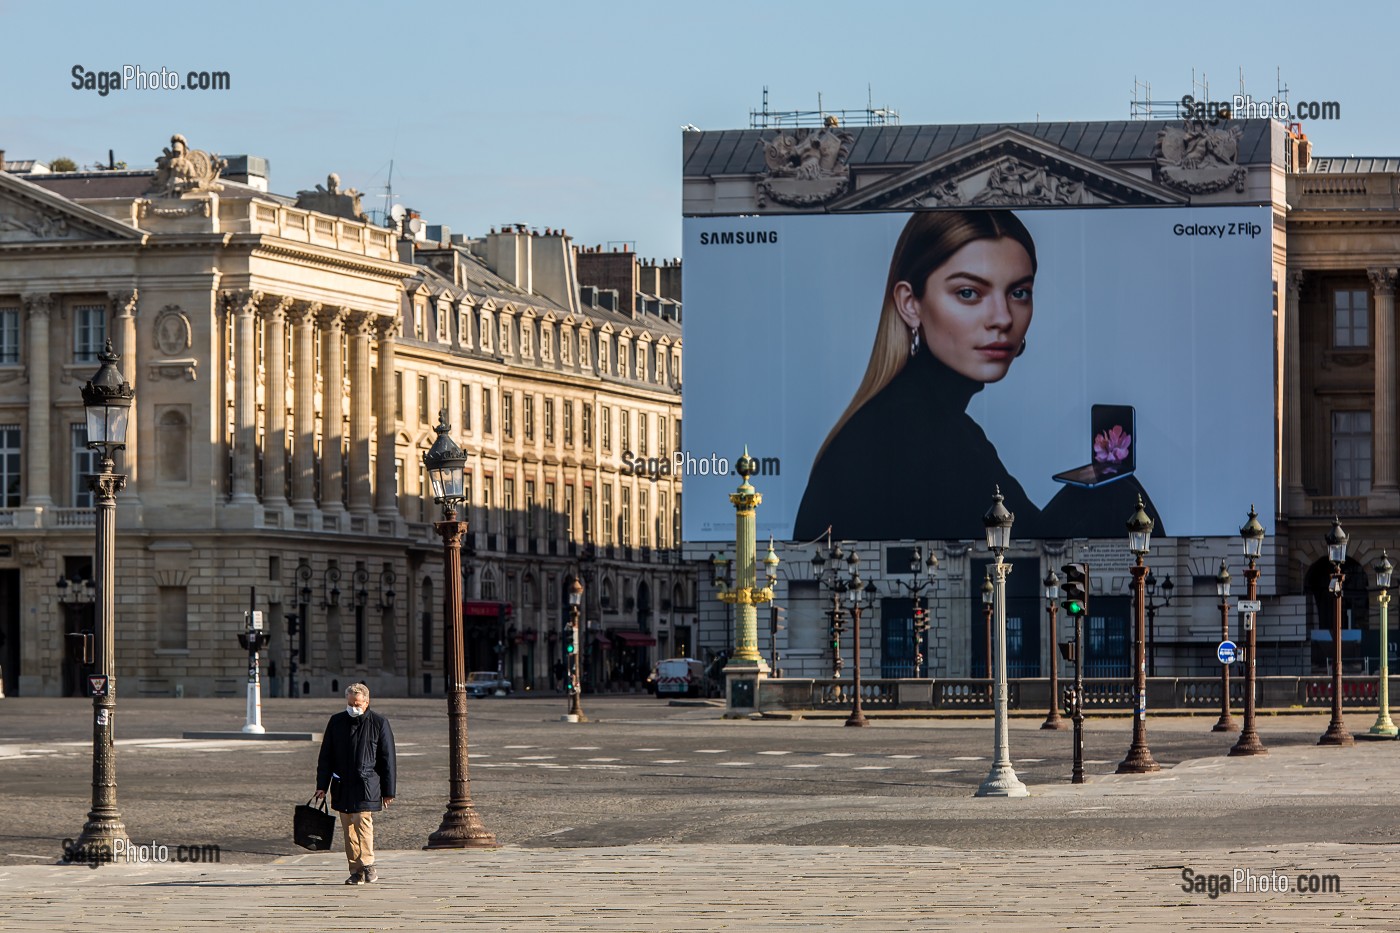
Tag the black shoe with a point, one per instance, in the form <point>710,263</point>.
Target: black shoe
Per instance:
<point>369,876</point>
<point>355,878</point>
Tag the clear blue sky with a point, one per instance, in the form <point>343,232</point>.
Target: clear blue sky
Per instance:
<point>568,114</point>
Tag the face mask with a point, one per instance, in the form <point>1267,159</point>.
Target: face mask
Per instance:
<point>354,711</point>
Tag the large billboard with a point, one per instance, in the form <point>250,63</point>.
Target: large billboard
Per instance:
<point>888,370</point>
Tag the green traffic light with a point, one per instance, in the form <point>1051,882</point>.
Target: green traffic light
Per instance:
<point>1074,607</point>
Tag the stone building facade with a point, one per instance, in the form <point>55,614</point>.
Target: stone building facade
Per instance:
<point>289,361</point>
<point>1335,254</point>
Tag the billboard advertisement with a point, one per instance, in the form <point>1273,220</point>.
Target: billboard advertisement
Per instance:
<point>888,371</point>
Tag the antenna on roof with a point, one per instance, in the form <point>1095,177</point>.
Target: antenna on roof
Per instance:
<point>389,193</point>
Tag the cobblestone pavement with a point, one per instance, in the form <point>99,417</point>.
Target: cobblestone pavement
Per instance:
<point>656,818</point>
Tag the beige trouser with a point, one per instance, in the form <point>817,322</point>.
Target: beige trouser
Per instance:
<point>359,839</point>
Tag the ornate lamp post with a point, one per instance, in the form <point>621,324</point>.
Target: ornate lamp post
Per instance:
<point>1336,733</point>
<point>461,827</point>
<point>915,589</point>
<point>572,645</point>
<point>830,577</point>
<point>107,398</point>
<point>1253,536</point>
<point>1001,781</point>
<point>746,666</point>
<point>1139,758</point>
<point>1152,606</point>
<point>1226,722</point>
<point>855,586</point>
<point>1052,595</point>
<point>988,600</point>
<point>1384,726</point>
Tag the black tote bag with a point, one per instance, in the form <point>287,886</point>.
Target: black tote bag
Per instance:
<point>313,827</point>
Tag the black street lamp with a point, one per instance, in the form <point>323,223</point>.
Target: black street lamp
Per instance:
<point>1139,758</point>
<point>988,601</point>
<point>915,589</point>
<point>1253,536</point>
<point>108,399</point>
<point>855,586</point>
<point>461,827</point>
<point>1152,606</point>
<point>1336,733</point>
<point>830,577</point>
<point>1052,596</point>
<point>1226,722</point>
<point>573,640</point>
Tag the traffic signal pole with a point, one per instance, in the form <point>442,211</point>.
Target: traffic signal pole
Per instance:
<point>1076,604</point>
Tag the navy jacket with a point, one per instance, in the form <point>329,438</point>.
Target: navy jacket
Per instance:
<point>360,749</point>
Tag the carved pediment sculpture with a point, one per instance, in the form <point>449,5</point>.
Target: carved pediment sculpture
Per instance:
<point>331,200</point>
<point>1199,157</point>
<point>181,170</point>
<point>805,167</point>
<point>1012,181</point>
<point>20,222</point>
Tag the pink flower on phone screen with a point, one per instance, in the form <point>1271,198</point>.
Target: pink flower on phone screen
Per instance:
<point>1112,445</point>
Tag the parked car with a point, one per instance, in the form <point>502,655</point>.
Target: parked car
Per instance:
<point>485,683</point>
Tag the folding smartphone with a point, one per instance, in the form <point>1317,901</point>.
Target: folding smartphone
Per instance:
<point>1112,447</point>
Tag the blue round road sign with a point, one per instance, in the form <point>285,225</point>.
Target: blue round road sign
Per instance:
<point>1226,652</point>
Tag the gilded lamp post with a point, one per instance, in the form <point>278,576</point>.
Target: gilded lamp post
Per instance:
<point>746,666</point>
<point>1384,727</point>
<point>107,398</point>
<point>461,827</point>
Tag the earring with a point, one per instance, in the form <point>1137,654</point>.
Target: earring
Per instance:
<point>913,341</point>
<point>1023,347</point>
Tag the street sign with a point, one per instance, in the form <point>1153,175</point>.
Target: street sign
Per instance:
<point>1250,605</point>
<point>97,684</point>
<point>1227,652</point>
<point>256,622</point>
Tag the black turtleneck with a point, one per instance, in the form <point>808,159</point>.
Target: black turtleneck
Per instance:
<point>911,463</point>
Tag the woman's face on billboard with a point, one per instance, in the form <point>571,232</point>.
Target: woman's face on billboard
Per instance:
<point>975,308</point>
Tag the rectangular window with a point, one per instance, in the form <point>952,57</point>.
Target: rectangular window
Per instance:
<point>423,400</point>
<point>607,514</point>
<point>624,427</point>
<point>566,342</point>
<point>589,515</point>
<point>676,520</point>
<point>508,413</point>
<point>678,435</point>
<point>174,627</point>
<point>662,511</point>
<point>85,463</point>
<point>661,436</point>
<point>643,518</point>
<point>441,323</point>
<point>549,517</point>
<point>486,411</point>
<point>549,421</point>
<point>622,349</point>
<point>1351,318</point>
<point>10,457</point>
<point>508,504</point>
<point>9,335</point>
<point>626,516</point>
<point>569,512</point>
<point>583,348</point>
<point>486,332</point>
<point>420,314</point>
<point>1351,453</point>
<point>488,499</point>
<point>530,510</point>
<point>660,365</point>
<point>568,422</point>
<point>676,367</point>
<point>642,433</point>
<point>528,412</point>
<point>527,343</point>
<point>605,425</point>
<point>466,406</point>
<point>398,396</point>
<point>425,494</point>
<point>588,424</point>
<point>603,342</point>
<point>89,332</point>
<point>464,325</point>
<point>443,399</point>
<point>641,362</point>
<point>504,342</point>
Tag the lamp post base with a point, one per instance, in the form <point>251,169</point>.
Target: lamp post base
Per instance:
<point>1248,744</point>
<point>100,833</point>
<point>857,718</point>
<point>1054,721</point>
<point>1002,782</point>
<point>461,828</point>
<point>1337,734</point>
<point>1383,728</point>
<point>1225,724</point>
<point>1139,761</point>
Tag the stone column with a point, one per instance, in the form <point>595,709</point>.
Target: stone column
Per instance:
<point>243,305</point>
<point>274,316</point>
<point>1295,501</point>
<point>332,410</point>
<point>38,310</point>
<point>125,306</point>
<point>359,325</point>
<point>386,480</point>
<point>1385,491</point>
<point>301,314</point>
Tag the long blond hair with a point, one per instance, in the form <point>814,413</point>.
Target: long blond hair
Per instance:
<point>929,239</point>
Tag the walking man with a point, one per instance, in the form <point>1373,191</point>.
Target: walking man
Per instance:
<point>357,752</point>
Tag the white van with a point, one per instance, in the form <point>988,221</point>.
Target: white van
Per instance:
<point>680,677</point>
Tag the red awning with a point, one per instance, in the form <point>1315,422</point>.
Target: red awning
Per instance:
<point>633,639</point>
<point>602,641</point>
